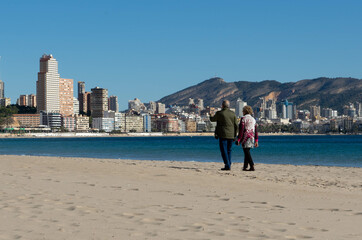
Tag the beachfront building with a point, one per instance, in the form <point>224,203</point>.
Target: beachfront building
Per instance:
<point>147,123</point>
<point>119,119</point>
<point>27,120</point>
<point>66,97</point>
<point>47,86</point>
<point>133,123</point>
<point>81,123</point>
<point>190,125</point>
<point>103,123</point>
<point>201,126</point>
<point>98,102</point>
<point>166,123</point>
<point>113,103</point>
<point>68,123</point>
<point>50,119</point>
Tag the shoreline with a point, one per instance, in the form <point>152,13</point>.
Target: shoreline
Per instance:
<point>83,198</point>
<point>186,162</point>
<point>97,135</point>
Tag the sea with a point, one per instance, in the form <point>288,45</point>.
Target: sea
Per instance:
<point>324,150</point>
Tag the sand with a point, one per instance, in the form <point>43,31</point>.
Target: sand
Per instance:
<point>78,198</point>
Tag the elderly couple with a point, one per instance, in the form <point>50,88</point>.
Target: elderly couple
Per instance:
<point>226,131</point>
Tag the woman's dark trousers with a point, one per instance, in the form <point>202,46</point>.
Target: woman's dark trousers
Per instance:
<point>247,158</point>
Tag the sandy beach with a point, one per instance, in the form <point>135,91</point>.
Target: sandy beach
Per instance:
<point>79,198</point>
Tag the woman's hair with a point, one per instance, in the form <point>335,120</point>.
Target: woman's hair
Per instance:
<point>247,110</point>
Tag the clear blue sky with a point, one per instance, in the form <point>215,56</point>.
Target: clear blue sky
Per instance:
<point>149,49</point>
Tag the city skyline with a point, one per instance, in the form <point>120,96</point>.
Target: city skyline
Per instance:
<point>149,50</point>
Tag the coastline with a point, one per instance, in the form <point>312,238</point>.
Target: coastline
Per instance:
<point>156,134</point>
<point>85,198</point>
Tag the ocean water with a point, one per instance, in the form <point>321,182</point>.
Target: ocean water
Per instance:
<point>341,150</point>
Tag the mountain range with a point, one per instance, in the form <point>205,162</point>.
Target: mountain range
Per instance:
<point>326,92</point>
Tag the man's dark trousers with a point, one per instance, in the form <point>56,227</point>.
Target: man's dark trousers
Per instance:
<point>225,149</point>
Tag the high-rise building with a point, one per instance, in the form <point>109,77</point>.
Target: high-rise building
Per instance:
<point>66,97</point>
<point>81,123</point>
<point>113,103</point>
<point>81,89</point>
<point>315,111</point>
<point>23,100</point>
<point>161,108</point>
<point>32,100</point>
<point>200,103</point>
<point>2,94</point>
<point>286,110</point>
<point>87,103</point>
<point>75,106</point>
<point>27,100</point>
<point>47,86</point>
<point>99,102</point>
<point>81,98</point>
<point>359,109</point>
<point>136,105</point>
<point>153,107</point>
<point>4,102</point>
<point>240,104</point>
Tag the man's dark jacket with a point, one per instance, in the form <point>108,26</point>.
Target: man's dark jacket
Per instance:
<point>227,124</point>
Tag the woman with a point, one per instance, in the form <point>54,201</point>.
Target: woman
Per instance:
<point>248,136</point>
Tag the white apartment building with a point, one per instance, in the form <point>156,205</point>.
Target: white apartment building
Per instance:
<point>81,123</point>
<point>47,86</point>
<point>68,122</point>
<point>119,119</point>
<point>105,124</point>
<point>133,124</point>
<point>75,106</point>
<point>240,104</point>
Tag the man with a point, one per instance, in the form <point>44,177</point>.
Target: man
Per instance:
<point>226,130</point>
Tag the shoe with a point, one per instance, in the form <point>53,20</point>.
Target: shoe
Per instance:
<point>225,169</point>
<point>244,169</point>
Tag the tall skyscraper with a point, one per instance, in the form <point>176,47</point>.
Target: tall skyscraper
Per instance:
<point>113,103</point>
<point>240,104</point>
<point>99,102</point>
<point>66,97</point>
<point>81,97</point>
<point>47,86</point>
<point>81,89</point>
<point>286,110</point>
<point>2,94</point>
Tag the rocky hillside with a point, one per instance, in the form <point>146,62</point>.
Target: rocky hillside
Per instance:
<point>327,92</point>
